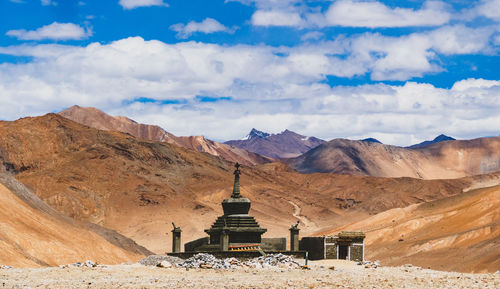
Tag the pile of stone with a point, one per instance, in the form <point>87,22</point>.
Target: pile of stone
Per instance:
<point>88,264</point>
<point>370,264</point>
<point>274,260</point>
<point>208,261</point>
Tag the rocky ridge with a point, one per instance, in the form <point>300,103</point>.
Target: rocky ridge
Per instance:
<point>96,118</point>
<point>442,160</point>
<point>286,144</point>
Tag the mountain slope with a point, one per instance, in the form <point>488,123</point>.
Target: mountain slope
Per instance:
<point>441,160</point>
<point>286,144</point>
<point>439,138</point>
<point>458,233</point>
<point>139,187</point>
<point>33,234</point>
<point>96,118</point>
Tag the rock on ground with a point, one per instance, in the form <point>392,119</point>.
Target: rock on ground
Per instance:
<point>345,275</point>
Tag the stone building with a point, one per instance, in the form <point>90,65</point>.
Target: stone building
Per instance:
<point>236,227</point>
<point>346,245</point>
<point>236,230</point>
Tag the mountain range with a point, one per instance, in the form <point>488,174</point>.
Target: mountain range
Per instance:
<point>449,159</point>
<point>439,138</point>
<point>131,188</point>
<point>286,144</point>
<point>137,187</point>
<point>96,118</point>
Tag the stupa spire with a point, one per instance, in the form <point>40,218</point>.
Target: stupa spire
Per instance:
<point>236,187</point>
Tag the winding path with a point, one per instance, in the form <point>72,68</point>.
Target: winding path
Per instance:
<point>297,214</point>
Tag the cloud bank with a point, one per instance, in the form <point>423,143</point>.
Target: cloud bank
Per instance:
<point>347,13</point>
<point>54,31</point>
<point>272,88</point>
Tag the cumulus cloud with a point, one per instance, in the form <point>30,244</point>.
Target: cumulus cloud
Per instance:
<point>273,88</point>
<point>277,18</point>
<point>209,25</point>
<point>312,35</point>
<point>132,4</point>
<point>348,13</point>
<point>373,14</point>
<point>54,31</point>
<point>489,9</point>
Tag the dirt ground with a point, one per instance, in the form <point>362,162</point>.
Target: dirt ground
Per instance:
<point>345,274</point>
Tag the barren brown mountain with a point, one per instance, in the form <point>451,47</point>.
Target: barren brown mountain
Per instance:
<point>33,234</point>
<point>458,233</point>
<point>286,144</point>
<point>96,118</point>
<point>138,187</point>
<point>443,160</point>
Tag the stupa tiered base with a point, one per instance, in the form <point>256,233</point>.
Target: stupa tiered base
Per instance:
<point>235,227</point>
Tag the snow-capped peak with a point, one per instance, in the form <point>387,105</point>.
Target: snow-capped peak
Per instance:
<point>256,133</point>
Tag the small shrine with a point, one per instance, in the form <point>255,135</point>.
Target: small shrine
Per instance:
<point>235,233</point>
<point>236,227</point>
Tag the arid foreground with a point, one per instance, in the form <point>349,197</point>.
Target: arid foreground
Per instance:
<point>345,274</point>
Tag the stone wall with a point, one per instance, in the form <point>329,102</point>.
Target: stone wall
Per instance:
<point>193,245</point>
<point>314,245</point>
<point>273,244</point>
<point>356,252</point>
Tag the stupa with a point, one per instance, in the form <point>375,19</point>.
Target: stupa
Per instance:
<point>236,227</point>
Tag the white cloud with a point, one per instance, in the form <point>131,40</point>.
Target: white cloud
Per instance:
<point>312,35</point>
<point>269,4</point>
<point>400,115</point>
<point>489,9</point>
<point>414,55</point>
<point>207,26</point>
<point>55,31</point>
<point>349,13</point>
<point>132,4</point>
<point>277,18</point>
<point>471,83</point>
<point>270,87</point>
<point>354,13</point>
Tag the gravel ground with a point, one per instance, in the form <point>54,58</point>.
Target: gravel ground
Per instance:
<point>344,275</point>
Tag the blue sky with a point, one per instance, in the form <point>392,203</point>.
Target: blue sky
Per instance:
<point>399,71</point>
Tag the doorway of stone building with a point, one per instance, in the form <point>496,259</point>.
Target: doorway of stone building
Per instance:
<point>343,252</point>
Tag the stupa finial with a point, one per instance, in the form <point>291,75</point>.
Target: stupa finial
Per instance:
<point>236,187</point>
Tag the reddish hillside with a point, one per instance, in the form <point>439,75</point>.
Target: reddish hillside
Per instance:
<point>458,233</point>
<point>96,118</point>
<point>449,159</point>
<point>32,234</point>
